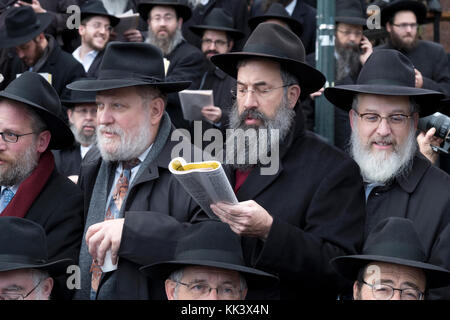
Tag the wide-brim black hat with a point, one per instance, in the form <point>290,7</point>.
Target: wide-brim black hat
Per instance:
<point>392,8</point>
<point>386,72</point>
<point>218,20</point>
<point>96,8</point>
<point>22,24</point>
<point>34,91</point>
<point>29,248</point>
<point>393,240</point>
<point>127,64</point>
<point>276,43</point>
<point>183,11</point>
<point>350,12</point>
<point>74,97</point>
<point>212,244</point>
<point>277,11</point>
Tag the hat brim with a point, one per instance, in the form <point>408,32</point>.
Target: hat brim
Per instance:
<point>182,10</point>
<point>72,103</point>
<point>418,8</point>
<point>54,268</point>
<point>256,279</point>
<point>199,29</point>
<point>108,84</point>
<point>352,20</point>
<point>9,42</point>
<point>61,135</point>
<point>295,25</point>
<point>349,266</point>
<point>342,96</point>
<point>310,79</point>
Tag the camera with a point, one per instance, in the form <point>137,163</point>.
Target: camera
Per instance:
<point>442,124</point>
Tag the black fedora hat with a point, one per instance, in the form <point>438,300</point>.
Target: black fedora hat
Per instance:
<point>386,72</point>
<point>22,24</point>
<point>213,244</point>
<point>34,91</point>
<point>393,240</point>
<point>277,43</point>
<point>277,11</point>
<point>96,8</point>
<point>350,12</point>
<point>183,10</point>
<point>395,6</point>
<point>219,20</point>
<point>74,97</point>
<point>29,248</point>
<point>127,64</point>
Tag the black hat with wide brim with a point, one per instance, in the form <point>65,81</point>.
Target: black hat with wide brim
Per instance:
<point>277,11</point>
<point>386,72</point>
<point>276,43</point>
<point>350,12</point>
<point>183,11</point>
<point>96,8</point>
<point>211,244</point>
<point>29,248</point>
<point>392,8</point>
<point>128,64</point>
<point>218,20</point>
<point>33,90</point>
<point>22,24</point>
<point>393,240</point>
<point>74,97</point>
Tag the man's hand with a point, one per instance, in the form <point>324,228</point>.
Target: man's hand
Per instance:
<point>101,237</point>
<point>246,218</point>
<point>419,79</point>
<point>35,4</point>
<point>316,94</point>
<point>212,113</point>
<point>133,35</point>
<point>425,140</point>
<point>366,48</point>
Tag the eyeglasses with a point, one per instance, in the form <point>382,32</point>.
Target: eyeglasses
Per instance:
<point>166,18</point>
<point>395,120</point>
<point>406,25</point>
<point>17,296</point>
<point>202,290</point>
<point>217,43</point>
<point>12,137</point>
<point>386,292</point>
<point>357,34</point>
<point>260,90</point>
<point>86,111</point>
<point>98,26</point>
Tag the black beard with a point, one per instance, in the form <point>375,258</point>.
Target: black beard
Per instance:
<point>400,45</point>
<point>348,62</point>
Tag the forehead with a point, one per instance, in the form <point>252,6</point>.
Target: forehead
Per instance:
<point>86,105</point>
<point>120,93</point>
<point>405,16</point>
<point>210,273</point>
<point>383,104</point>
<point>215,34</point>
<point>100,19</point>
<point>26,44</point>
<point>396,272</point>
<point>259,70</point>
<point>162,10</point>
<point>14,277</point>
<point>351,27</point>
<point>14,113</point>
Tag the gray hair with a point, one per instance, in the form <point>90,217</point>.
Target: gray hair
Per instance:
<point>38,276</point>
<point>149,92</point>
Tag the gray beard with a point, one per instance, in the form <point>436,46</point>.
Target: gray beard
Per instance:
<point>348,62</point>
<point>81,138</point>
<point>282,122</point>
<point>166,45</point>
<point>379,167</point>
<point>21,168</point>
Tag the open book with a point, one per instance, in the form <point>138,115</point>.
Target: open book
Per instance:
<point>206,182</point>
<point>192,102</point>
<point>128,20</point>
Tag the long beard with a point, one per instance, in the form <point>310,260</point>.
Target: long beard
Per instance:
<point>16,170</point>
<point>281,123</point>
<point>399,44</point>
<point>130,146</point>
<point>348,62</point>
<point>81,138</point>
<point>165,44</point>
<point>382,167</point>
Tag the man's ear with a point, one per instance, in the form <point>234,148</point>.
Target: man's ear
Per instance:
<point>170,289</point>
<point>157,107</point>
<point>47,286</point>
<point>388,27</point>
<point>416,119</point>
<point>351,118</point>
<point>230,44</point>
<point>355,290</point>
<point>43,140</point>
<point>293,95</point>
<point>180,23</point>
<point>70,115</point>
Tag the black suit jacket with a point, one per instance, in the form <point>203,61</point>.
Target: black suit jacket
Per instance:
<point>68,161</point>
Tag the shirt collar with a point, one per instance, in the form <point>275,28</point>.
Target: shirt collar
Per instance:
<point>14,188</point>
<point>290,7</point>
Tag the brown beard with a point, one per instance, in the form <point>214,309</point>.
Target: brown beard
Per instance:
<point>400,45</point>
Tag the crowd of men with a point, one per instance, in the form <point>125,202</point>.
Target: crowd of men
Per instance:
<point>87,117</point>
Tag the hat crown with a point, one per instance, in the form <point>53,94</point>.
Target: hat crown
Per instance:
<point>277,9</point>
<point>395,237</point>
<point>20,18</point>
<point>387,67</point>
<point>211,241</point>
<point>276,40</point>
<point>93,6</point>
<point>29,239</point>
<point>219,18</point>
<point>349,8</point>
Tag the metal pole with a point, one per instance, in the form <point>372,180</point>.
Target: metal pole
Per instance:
<point>324,112</point>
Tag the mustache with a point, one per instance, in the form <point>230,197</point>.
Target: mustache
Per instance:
<point>211,51</point>
<point>101,129</point>
<point>253,114</point>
